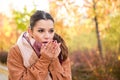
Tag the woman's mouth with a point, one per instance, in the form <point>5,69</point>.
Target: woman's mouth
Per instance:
<point>45,42</point>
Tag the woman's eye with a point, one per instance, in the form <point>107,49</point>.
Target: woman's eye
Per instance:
<point>51,31</point>
<point>41,30</point>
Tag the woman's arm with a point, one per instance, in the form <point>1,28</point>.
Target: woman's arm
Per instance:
<point>60,72</point>
<point>17,71</point>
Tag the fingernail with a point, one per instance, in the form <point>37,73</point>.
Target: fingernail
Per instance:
<point>59,44</point>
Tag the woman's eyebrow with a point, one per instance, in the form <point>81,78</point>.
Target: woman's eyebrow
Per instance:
<point>43,28</point>
<point>40,28</point>
<point>51,28</point>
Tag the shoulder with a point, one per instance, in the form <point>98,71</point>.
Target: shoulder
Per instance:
<point>14,57</point>
<point>14,50</point>
<point>14,46</point>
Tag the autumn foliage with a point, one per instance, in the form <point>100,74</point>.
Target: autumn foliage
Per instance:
<point>80,30</point>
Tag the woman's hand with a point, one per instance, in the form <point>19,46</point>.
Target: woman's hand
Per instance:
<point>57,49</point>
<point>51,49</point>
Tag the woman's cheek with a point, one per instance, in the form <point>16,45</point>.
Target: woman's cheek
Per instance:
<point>37,38</point>
<point>52,36</point>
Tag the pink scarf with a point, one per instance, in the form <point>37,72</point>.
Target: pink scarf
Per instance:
<point>30,50</point>
<point>36,45</point>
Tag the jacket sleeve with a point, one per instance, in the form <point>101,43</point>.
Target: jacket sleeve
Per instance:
<point>17,71</point>
<point>60,71</point>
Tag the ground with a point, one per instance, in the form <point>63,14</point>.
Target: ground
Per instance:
<point>3,72</point>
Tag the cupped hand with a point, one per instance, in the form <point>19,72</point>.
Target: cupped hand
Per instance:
<point>51,49</point>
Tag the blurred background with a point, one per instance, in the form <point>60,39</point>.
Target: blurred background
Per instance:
<point>90,29</point>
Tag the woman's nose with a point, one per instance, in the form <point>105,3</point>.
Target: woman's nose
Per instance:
<point>47,35</point>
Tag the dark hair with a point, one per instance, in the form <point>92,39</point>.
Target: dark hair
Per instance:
<point>64,50</point>
<point>38,15</point>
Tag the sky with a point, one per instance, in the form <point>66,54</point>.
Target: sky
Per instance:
<point>6,5</point>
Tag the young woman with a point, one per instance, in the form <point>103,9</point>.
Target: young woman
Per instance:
<point>39,54</point>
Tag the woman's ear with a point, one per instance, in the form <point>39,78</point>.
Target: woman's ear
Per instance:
<point>30,32</point>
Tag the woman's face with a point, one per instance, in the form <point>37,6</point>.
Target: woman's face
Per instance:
<point>43,31</point>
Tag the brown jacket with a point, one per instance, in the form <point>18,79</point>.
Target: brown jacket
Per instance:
<point>39,70</point>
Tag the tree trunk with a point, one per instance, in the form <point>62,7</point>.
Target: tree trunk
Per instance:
<point>97,30</point>
<point>98,36</point>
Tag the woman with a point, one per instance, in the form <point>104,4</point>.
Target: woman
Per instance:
<point>39,54</point>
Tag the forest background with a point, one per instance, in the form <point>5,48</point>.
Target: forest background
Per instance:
<point>90,29</point>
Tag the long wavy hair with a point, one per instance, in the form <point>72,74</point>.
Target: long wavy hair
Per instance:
<point>64,49</point>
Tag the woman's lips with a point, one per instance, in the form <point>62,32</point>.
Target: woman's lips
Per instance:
<point>45,42</point>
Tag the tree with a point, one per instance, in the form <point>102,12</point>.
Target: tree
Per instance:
<point>6,33</point>
<point>22,18</point>
<point>67,20</point>
<point>112,38</point>
<point>98,11</point>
